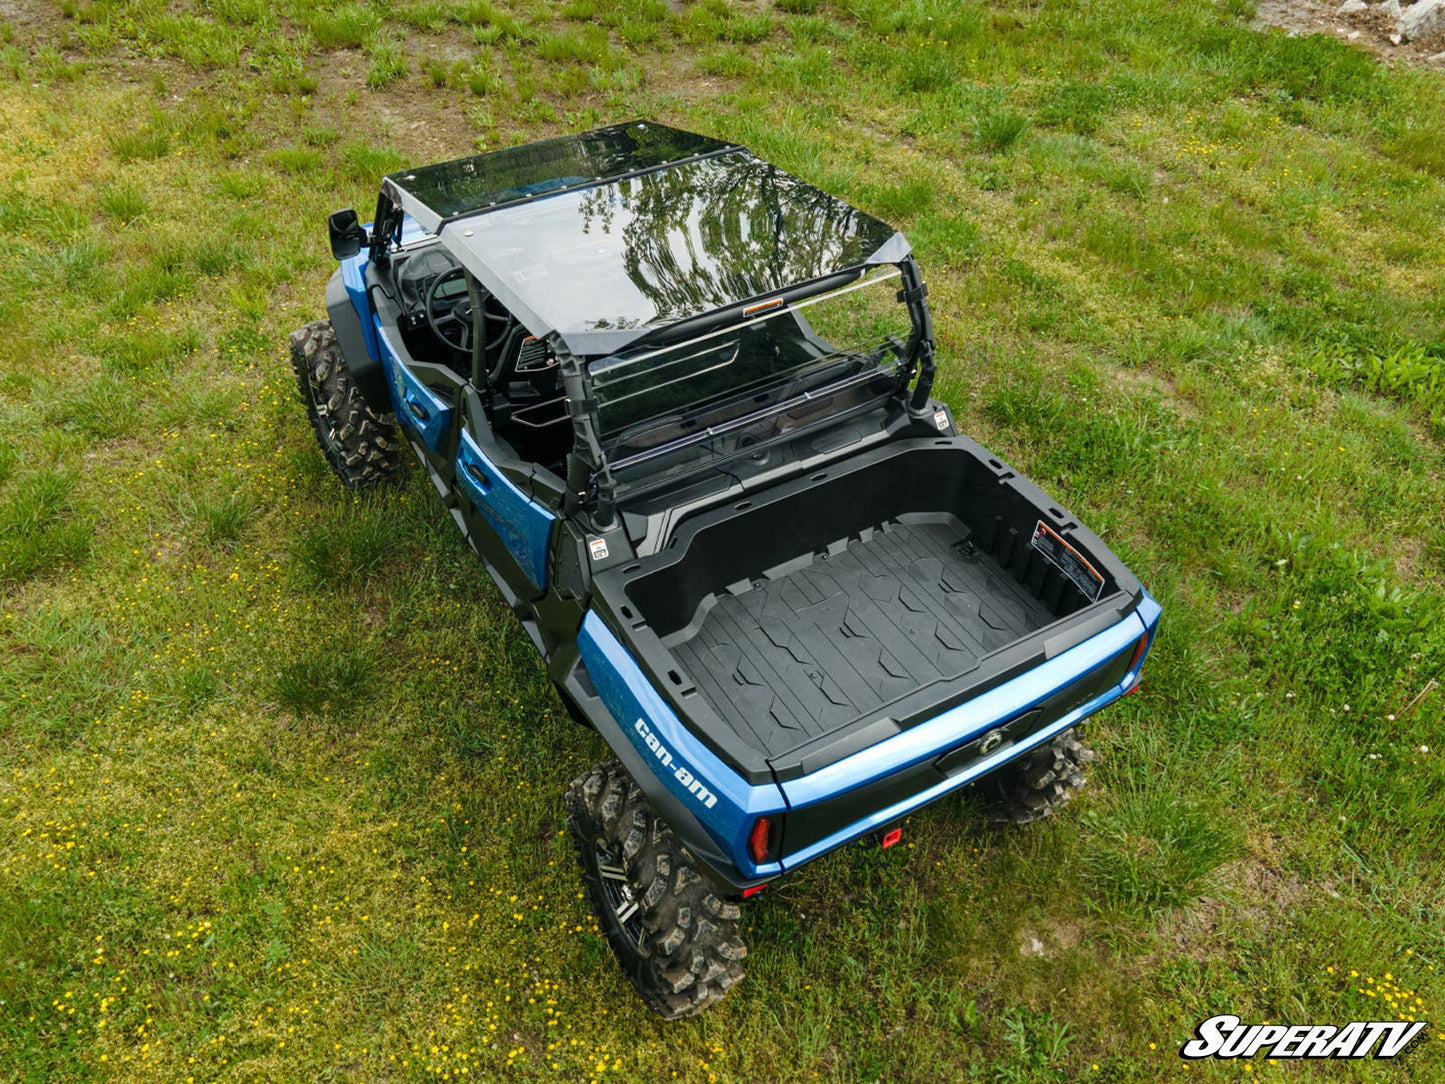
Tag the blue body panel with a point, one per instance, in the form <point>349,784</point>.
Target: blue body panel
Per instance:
<point>641,712</point>
<point>415,405</point>
<point>674,753</point>
<point>524,526</point>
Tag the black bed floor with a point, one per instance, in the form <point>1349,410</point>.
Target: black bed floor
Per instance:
<point>803,655</point>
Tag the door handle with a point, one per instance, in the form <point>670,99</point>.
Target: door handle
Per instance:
<point>479,476</point>
<point>418,411</point>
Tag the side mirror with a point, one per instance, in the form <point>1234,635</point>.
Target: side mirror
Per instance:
<point>347,234</point>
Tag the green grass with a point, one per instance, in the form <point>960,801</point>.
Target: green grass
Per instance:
<point>280,775</point>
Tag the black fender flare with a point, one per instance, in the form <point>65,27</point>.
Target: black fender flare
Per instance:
<point>366,370</point>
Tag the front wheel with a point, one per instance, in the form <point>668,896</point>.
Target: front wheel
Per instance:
<point>674,937</point>
<point>361,445</point>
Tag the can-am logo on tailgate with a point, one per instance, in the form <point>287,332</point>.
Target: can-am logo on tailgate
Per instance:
<point>1229,1037</point>
<point>686,778</point>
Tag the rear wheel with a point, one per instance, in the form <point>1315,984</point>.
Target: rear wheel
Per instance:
<point>1039,782</point>
<point>674,936</point>
<point>361,445</point>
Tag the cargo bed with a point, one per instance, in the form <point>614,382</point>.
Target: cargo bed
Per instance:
<point>899,607</point>
<point>817,617</point>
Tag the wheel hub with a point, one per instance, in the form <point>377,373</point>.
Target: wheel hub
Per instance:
<point>617,888</point>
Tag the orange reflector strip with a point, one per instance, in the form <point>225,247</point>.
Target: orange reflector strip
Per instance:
<point>763,306</point>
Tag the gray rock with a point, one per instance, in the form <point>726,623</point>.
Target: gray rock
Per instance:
<point>1423,18</point>
<point>1349,7</point>
<point>1390,9</point>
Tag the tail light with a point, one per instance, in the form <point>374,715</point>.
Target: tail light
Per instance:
<point>1135,659</point>
<point>762,841</point>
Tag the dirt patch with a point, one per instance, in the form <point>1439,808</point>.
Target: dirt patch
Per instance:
<point>1050,939</point>
<point>15,13</point>
<point>1263,890</point>
<point>1252,894</point>
<point>1134,380</point>
<point>423,123</point>
<point>1372,29</point>
<point>1408,554</point>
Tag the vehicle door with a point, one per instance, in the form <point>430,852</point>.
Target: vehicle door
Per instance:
<point>509,519</point>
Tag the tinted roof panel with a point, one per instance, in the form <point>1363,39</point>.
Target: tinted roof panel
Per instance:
<point>604,264</point>
<point>436,193</point>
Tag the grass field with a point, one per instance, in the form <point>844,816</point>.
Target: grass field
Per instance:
<point>282,778</point>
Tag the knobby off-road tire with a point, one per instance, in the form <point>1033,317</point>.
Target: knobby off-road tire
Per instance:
<point>674,936</point>
<point>1040,781</point>
<point>362,446</point>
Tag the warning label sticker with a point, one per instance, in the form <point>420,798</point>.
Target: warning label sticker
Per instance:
<point>1069,561</point>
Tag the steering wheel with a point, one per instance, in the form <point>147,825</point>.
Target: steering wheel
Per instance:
<point>449,314</point>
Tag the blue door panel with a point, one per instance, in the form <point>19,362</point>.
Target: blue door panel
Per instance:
<point>415,405</point>
<point>524,526</point>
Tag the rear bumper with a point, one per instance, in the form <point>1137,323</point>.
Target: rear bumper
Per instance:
<point>851,797</point>
<point>880,785</point>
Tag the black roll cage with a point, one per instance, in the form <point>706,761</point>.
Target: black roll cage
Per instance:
<point>590,483</point>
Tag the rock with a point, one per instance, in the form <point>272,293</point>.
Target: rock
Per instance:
<point>1350,7</point>
<point>1438,58</point>
<point>1390,9</point>
<point>1422,18</point>
<point>1352,35</point>
<point>1395,39</point>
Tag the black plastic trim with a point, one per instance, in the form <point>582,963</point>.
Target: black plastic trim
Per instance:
<point>365,370</point>
<point>806,825</point>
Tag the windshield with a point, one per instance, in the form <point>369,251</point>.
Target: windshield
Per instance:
<point>783,366</point>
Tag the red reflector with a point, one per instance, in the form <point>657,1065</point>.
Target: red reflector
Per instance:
<point>1138,652</point>
<point>754,890</point>
<point>758,839</point>
<point>892,836</point>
